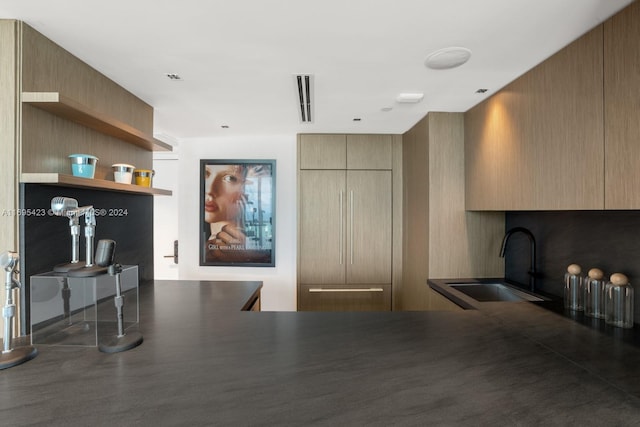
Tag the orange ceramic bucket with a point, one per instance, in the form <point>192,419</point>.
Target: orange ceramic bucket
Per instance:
<point>143,177</point>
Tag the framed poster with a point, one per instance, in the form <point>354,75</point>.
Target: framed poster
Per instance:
<point>237,213</point>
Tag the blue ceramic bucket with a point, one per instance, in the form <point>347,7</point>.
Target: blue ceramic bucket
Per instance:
<point>83,165</point>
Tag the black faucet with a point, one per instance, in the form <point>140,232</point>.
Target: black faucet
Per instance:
<point>532,241</point>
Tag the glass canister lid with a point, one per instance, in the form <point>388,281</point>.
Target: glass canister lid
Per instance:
<point>618,279</point>
<point>574,269</point>
<point>595,274</point>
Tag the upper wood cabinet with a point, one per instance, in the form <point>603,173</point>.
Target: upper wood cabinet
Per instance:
<point>538,143</point>
<point>322,151</point>
<point>369,152</point>
<point>622,109</point>
<point>339,151</point>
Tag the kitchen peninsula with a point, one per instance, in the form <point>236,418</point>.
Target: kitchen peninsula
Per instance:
<point>204,361</point>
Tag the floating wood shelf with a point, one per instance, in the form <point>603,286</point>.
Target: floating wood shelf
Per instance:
<point>67,108</point>
<point>97,184</point>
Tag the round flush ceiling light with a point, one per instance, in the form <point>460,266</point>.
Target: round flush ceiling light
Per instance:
<point>449,57</point>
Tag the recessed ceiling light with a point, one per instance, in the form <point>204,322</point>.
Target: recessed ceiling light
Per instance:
<point>386,109</point>
<point>481,90</point>
<point>225,126</point>
<point>357,119</point>
<point>409,98</point>
<point>447,58</point>
<point>174,76</point>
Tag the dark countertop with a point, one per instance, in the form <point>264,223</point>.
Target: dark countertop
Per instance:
<point>551,303</point>
<point>205,362</point>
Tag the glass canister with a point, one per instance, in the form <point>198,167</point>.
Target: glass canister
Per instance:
<point>573,291</point>
<point>618,306</point>
<point>594,294</point>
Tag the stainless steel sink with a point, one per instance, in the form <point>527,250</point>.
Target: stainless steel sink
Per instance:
<point>485,292</point>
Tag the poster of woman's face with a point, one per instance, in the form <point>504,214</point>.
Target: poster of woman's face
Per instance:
<point>237,213</point>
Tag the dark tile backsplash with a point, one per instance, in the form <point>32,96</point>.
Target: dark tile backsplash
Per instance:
<point>46,240</point>
<point>609,240</point>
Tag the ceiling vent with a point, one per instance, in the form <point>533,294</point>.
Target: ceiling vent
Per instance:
<point>304,85</point>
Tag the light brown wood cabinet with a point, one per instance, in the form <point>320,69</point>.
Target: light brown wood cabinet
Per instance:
<point>339,151</point>
<point>441,239</point>
<point>537,144</point>
<point>345,224</point>
<point>564,136</point>
<point>622,109</point>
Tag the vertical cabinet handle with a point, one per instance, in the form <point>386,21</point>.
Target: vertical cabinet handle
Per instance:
<point>351,225</point>
<point>341,229</point>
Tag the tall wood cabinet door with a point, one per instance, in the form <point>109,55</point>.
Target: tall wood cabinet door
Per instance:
<point>369,226</point>
<point>369,151</point>
<point>322,151</point>
<point>322,203</point>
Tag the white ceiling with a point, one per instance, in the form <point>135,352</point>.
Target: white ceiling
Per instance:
<point>237,58</point>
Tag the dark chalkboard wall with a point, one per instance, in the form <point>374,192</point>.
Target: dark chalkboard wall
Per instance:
<point>46,239</point>
<point>609,240</point>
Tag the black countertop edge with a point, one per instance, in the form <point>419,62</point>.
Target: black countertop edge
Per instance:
<point>458,298</point>
<point>224,295</point>
<point>248,305</point>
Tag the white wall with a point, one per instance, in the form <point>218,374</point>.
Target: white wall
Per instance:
<point>279,282</point>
